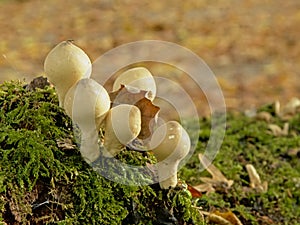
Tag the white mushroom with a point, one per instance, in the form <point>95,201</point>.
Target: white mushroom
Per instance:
<point>137,78</point>
<point>92,96</point>
<point>64,65</point>
<point>87,103</point>
<point>170,143</point>
<point>123,124</point>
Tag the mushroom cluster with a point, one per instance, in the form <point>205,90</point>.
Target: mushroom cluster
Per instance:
<point>89,105</point>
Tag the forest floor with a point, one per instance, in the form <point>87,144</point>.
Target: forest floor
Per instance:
<point>251,46</point>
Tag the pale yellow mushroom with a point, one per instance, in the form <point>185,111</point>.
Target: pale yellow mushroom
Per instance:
<point>87,103</point>
<point>64,65</point>
<point>170,144</point>
<point>122,125</point>
<point>138,78</point>
<point>92,96</point>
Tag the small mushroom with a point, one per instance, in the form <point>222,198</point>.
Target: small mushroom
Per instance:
<point>122,125</point>
<point>170,143</point>
<point>94,97</point>
<point>87,103</point>
<point>137,78</point>
<point>64,65</point>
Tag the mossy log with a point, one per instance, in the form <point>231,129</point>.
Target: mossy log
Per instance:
<point>44,180</point>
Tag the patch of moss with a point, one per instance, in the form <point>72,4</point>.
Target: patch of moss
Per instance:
<point>249,141</point>
<point>44,183</point>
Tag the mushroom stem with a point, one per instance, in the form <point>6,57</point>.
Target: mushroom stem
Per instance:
<point>170,143</point>
<point>87,103</point>
<point>89,148</point>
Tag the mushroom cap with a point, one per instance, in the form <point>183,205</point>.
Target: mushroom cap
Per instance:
<point>123,124</point>
<point>138,78</point>
<point>170,142</point>
<point>64,65</point>
<point>87,103</point>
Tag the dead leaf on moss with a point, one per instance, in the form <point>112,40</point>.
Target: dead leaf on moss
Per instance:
<point>229,216</point>
<point>217,182</point>
<point>288,110</point>
<point>278,131</point>
<point>148,110</point>
<point>255,181</point>
<point>291,107</point>
<point>265,116</point>
<point>194,192</point>
<point>221,218</point>
<point>65,144</point>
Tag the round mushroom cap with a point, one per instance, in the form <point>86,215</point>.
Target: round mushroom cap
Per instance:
<point>66,64</point>
<point>137,78</point>
<point>87,103</point>
<point>170,141</point>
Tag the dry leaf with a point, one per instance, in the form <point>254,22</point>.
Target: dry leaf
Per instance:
<point>291,107</point>
<point>266,116</point>
<point>126,95</point>
<point>278,131</point>
<point>218,180</point>
<point>255,181</point>
<point>288,110</point>
<point>65,144</point>
<point>230,217</point>
<point>137,98</point>
<point>227,218</point>
<point>195,193</point>
<point>277,108</point>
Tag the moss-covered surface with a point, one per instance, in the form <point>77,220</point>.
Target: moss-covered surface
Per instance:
<point>43,182</point>
<point>276,159</point>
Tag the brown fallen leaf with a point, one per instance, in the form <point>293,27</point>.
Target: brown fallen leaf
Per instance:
<point>255,181</point>
<point>148,110</point>
<point>217,182</point>
<point>126,95</point>
<point>195,193</point>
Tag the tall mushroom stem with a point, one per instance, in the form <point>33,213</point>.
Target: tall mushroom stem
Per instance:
<point>87,103</point>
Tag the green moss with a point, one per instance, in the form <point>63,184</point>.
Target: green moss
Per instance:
<point>42,183</point>
<point>248,141</point>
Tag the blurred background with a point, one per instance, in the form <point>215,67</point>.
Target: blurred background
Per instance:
<point>252,46</point>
